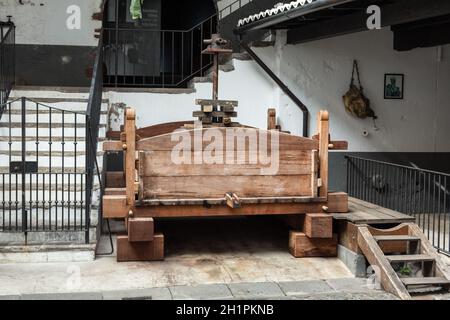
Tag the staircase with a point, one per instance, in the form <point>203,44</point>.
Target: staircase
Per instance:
<point>50,215</point>
<point>397,255</point>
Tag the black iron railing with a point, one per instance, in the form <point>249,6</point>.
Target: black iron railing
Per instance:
<point>48,163</point>
<point>137,57</point>
<point>423,194</point>
<point>93,114</point>
<point>7,62</point>
<point>236,5</point>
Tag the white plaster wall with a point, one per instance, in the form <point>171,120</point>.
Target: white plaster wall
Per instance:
<point>246,84</point>
<point>319,73</point>
<point>43,22</point>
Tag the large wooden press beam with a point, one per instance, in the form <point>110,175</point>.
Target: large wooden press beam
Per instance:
<point>400,12</point>
<point>115,206</point>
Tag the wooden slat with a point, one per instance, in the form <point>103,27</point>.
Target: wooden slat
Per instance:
<point>130,155</point>
<point>324,132</point>
<point>314,173</point>
<point>388,277</point>
<point>410,258</point>
<point>397,238</point>
<point>217,186</point>
<point>222,201</point>
<point>112,146</point>
<point>425,281</point>
<point>161,129</point>
<point>191,137</point>
<point>206,102</point>
<point>161,163</point>
<point>115,191</point>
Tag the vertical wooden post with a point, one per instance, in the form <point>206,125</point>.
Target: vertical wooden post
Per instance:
<point>130,156</point>
<point>324,140</point>
<point>271,119</point>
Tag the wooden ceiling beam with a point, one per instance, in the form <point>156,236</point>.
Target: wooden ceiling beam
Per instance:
<point>402,11</point>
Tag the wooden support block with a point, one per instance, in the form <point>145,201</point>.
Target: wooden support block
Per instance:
<point>141,229</point>
<point>115,179</point>
<point>114,206</point>
<point>301,246</point>
<point>140,251</point>
<point>112,146</point>
<point>206,102</point>
<point>318,225</point>
<point>115,191</point>
<point>271,119</point>
<point>337,202</point>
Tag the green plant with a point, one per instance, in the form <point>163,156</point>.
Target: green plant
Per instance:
<point>405,271</point>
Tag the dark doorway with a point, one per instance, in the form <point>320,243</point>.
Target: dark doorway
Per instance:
<point>163,49</point>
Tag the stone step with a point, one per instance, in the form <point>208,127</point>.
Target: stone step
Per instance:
<point>45,139</point>
<point>46,100</point>
<point>46,125</point>
<point>30,111</point>
<point>43,247</point>
<point>6,169</point>
<point>54,153</point>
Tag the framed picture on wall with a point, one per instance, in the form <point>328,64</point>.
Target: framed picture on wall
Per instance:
<point>394,86</point>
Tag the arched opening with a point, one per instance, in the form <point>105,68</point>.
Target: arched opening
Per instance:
<point>163,49</point>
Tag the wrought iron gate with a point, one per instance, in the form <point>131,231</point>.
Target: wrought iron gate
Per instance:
<point>44,181</point>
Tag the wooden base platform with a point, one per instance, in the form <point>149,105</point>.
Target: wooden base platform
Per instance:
<point>361,212</point>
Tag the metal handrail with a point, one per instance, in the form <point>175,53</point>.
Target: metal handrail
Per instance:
<point>179,61</point>
<point>7,62</point>
<point>421,193</point>
<point>398,165</point>
<point>230,10</point>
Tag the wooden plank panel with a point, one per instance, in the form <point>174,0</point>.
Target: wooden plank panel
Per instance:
<point>301,246</point>
<point>287,162</point>
<point>217,186</point>
<point>201,138</point>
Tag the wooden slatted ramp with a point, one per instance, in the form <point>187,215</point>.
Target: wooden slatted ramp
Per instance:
<point>418,251</point>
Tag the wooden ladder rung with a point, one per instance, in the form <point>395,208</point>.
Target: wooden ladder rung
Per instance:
<point>396,238</point>
<point>425,281</point>
<point>410,258</point>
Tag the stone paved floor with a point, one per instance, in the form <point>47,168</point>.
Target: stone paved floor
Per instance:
<point>336,289</point>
